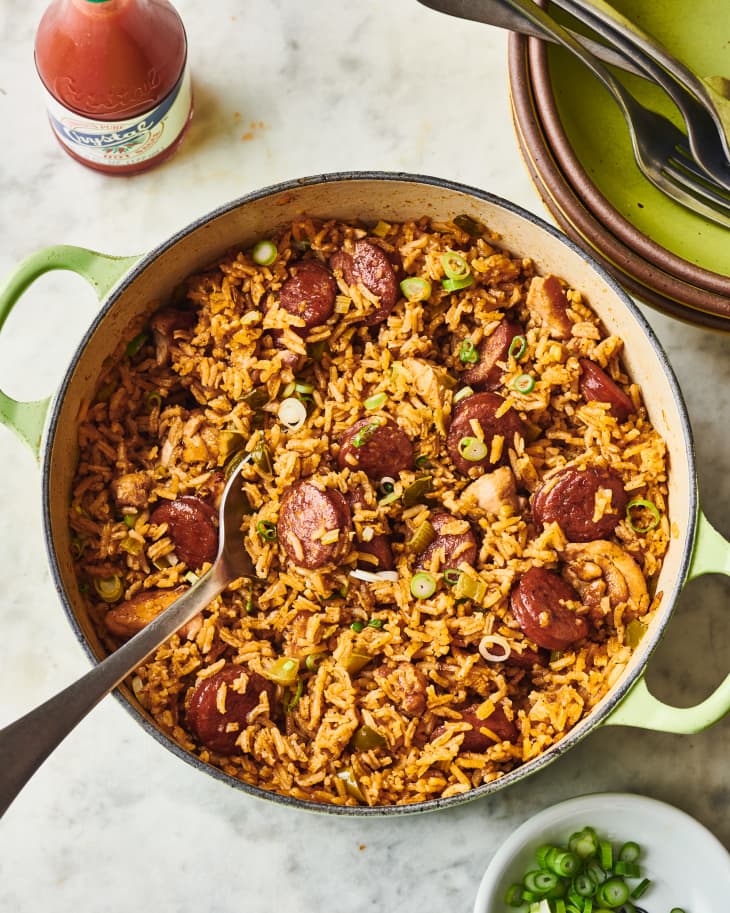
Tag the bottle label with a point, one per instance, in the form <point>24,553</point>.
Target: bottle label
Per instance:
<point>125,142</point>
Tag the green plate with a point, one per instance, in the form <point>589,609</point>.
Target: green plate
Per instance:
<point>698,34</point>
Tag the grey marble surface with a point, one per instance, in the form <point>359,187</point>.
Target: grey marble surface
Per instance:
<point>114,822</point>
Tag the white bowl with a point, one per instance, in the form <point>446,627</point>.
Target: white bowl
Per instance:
<point>688,866</point>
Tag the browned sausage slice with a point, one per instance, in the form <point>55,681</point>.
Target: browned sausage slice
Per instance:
<point>482,408</point>
<point>454,547</point>
<point>597,386</point>
<point>306,517</point>
<point>309,292</point>
<point>374,268</point>
<point>475,739</point>
<point>538,604</point>
<point>486,373</point>
<point>191,524</point>
<point>569,499</point>
<point>217,712</point>
<point>547,300</point>
<point>376,445</point>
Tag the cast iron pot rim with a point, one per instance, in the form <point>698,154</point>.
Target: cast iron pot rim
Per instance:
<point>586,725</point>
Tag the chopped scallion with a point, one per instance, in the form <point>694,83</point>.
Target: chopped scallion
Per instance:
<point>423,585</point>
<point>468,353</point>
<point>416,288</point>
<point>472,449</point>
<point>525,383</point>
<point>641,503</point>
<point>266,530</point>
<point>453,285</point>
<point>455,266</point>
<point>264,253</point>
<point>375,401</point>
<point>517,347</point>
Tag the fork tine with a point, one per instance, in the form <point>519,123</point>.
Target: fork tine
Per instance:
<point>677,186</point>
<point>704,191</point>
<point>714,191</point>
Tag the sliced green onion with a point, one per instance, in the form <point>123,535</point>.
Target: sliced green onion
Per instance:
<point>525,383</point>
<point>130,520</point>
<point>295,698</point>
<point>423,585</point>
<point>540,881</point>
<point>375,401</point>
<point>266,530</point>
<point>313,660</point>
<point>647,505</point>
<point>451,576</point>
<point>455,266</point>
<point>422,461</point>
<point>389,498</point>
<point>605,854</point>
<point>562,863</point>
<point>612,893</point>
<point>135,345</point>
<point>468,352</point>
<point>292,413</point>
<point>415,288</point>
<point>453,285</point>
<point>627,869</point>
<point>250,607</point>
<point>357,626</point>
<point>641,888</point>
<point>264,253</point>
<point>629,852</point>
<point>300,387</point>
<point>472,449</point>
<point>365,433</point>
<point>583,885</point>
<point>110,589</point>
<point>462,394</point>
<point>283,671</point>
<point>106,392</point>
<point>513,897</point>
<point>376,623</point>
<point>153,399</point>
<point>387,485</point>
<point>517,347</point>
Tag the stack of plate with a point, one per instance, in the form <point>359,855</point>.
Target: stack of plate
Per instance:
<point>578,151</point>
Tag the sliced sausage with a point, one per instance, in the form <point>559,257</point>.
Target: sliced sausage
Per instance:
<point>128,618</point>
<point>217,712</point>
<point>376,269</point>
<point>382,554</point>
<point>475,738</point>
<point>482,408</point>
<point>405,685</point>
<point>377,446</point>
<point>191,524</point>
<point>454,547</point>
<point>528,658</point>
<point>306,516</point>
<point>309,292</point>
<point>538,604</point>
<point>164,324</point>
<point>569,499</point>
<point>597,386</point>
<point>547,300</point>
<point>486,374</point>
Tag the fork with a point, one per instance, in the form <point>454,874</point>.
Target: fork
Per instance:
<point>620,25</point>
<point>660,148</point>
<point>706,140</point>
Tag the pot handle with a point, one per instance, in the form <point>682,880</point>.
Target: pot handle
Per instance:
<point>102,271</point>
<point>640,708</point>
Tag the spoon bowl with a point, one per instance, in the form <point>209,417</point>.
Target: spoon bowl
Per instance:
<point>26,743</point>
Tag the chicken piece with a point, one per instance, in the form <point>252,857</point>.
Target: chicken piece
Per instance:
<point>405,685</point>
<point>430,386</point>
<point>546,299</point>
<point>132,490</point>
<point>493,491</point>
<point>601,569</point>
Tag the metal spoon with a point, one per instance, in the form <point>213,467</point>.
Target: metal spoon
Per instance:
<point>26,743</point>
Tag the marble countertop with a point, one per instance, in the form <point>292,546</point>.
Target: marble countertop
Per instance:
<point>114,822</point>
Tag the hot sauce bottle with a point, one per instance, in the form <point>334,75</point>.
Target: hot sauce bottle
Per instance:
<point>116,81</point>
